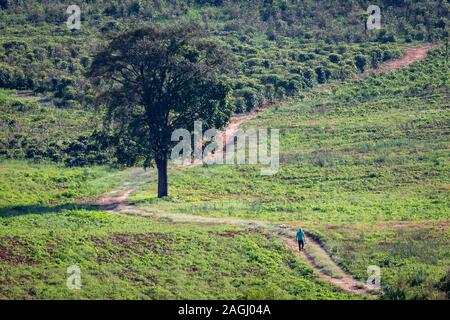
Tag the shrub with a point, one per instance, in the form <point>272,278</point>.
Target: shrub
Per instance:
<point>394,293</point>
<point>309,78</point>
<point>334,58</point>
<point>251,98</point>
<point>303,57</point>
<point>376,58</point>
<point>444,284</point>
<point>323,74</point>
<point>6,76</point>
<point>385,37</point>
<point>361,62</point>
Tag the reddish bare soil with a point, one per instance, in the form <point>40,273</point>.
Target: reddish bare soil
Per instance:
<point>15,251</point>
<point>116,198</point>
<point>412,54</point>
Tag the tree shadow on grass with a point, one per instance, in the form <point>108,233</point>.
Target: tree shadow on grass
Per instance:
<point>20,210</point>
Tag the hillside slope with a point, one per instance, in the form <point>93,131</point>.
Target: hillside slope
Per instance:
<point>362,164</point>
<point>364,158</point>
<point>282,49</point>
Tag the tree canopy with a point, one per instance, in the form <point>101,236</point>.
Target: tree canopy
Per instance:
<point>155,80</point>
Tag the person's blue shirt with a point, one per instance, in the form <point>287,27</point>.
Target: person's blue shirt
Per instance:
<point>300,236</point>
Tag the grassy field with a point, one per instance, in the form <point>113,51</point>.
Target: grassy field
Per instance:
<point>364,168</point>
<point>364,158</point>
<point>27,186</point>
<point>413,256</point>
<point>43,231</point>
<point>370,151</point>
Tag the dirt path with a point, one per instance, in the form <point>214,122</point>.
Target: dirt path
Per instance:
<point>116,198</point>
<point>327,269</point>
<point>315,255</point>
<point>119,196</point>
<point>230,132</point>
<point>412,54</point>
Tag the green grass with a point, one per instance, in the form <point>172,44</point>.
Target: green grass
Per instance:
<point>136,258</point>
<point>344,158</point>
<point>44,230</point>
<point>413,257</point>
<point>356,160</point>
<point>26,185</point>
<point>323,262</point>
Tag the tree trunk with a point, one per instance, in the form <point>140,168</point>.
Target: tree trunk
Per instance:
<point>163,187</point>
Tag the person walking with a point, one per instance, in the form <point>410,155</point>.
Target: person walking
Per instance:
<point>300,237</point>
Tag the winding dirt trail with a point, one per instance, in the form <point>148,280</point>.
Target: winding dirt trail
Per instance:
<point>118,203</point>
<point>411,55</point>
<point>314,255</point>
<point>339,277</point>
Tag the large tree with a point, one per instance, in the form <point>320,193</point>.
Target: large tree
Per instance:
<point>155,80</point>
